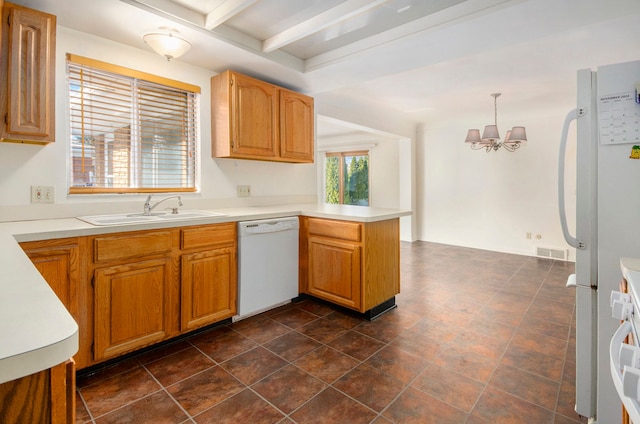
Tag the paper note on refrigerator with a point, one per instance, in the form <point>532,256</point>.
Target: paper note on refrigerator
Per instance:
<point>619,119</point>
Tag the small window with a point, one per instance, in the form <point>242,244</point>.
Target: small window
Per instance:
<point>347,178</point>
<point>131,132</point>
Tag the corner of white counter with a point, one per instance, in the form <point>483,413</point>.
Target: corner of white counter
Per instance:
<point>36,330</point>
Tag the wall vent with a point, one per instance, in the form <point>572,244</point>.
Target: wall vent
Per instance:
<point>546,252</point>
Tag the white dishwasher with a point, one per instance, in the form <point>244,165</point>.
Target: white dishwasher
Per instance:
<point>267,264</point>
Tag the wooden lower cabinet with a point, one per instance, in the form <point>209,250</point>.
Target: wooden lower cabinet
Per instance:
<point>61,263</point>
<point>46,397</point>
<point>58,261</point>
<point>352,264</point>
<point>209,280</point>
<point>334,271</point>
<point>132,306</point>
<point>207,293</point>
<point>129,290</point>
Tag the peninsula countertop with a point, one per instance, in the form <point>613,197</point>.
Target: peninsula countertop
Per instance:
<point>37,332</point>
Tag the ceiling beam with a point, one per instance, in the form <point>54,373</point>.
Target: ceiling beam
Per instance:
<point>169,8</point>
<point>227,10</point>
<point>330,17</point>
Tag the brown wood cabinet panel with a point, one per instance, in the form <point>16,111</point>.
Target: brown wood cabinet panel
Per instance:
<point>131,245</point>
<point>44,397</point>
<point>61,262</point>
<point>132,304</point>
<point>340,230</point>
<point>58,261</point>
<point>27,97</point>
<point>296,126</point>
<point>244,117</point>
<point>334,271</point>
<point>209,287</point>
<point>252,119</point>
<point>381,262</point>
<point>208,236</point>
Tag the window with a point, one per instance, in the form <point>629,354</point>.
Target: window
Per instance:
<point>131,132</point>
<point>347,178</point>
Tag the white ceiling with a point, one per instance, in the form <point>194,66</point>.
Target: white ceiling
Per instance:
<point>423,58</point>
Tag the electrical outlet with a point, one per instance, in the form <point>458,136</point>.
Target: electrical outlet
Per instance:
<point>42,194</point>
<point>244,190</point>
<point>528,236</point>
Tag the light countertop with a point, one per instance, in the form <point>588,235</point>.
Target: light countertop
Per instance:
<point>37,332</point>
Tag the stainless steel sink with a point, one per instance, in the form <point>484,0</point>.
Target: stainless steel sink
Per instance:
<point>136,218</point>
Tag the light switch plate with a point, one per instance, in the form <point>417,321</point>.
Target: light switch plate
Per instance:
<point>42,194</point>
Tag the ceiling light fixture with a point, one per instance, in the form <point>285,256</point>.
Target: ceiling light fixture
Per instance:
<point>491,139</point>
<point>167,43</point>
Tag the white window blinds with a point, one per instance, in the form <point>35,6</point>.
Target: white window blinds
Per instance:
<point>130,131</point>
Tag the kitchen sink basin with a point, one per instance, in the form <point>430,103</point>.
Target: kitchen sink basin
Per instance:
<point>137,218</point>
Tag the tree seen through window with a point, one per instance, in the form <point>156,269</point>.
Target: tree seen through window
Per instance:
<point>347,178</point>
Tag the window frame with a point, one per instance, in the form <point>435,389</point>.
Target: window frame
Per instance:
<point>341,155</point>
<point>146,80</point>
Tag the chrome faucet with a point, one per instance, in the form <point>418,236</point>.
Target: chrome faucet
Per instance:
<point>148,208</point>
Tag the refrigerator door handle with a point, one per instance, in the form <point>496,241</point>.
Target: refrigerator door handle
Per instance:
<point>571,116</point>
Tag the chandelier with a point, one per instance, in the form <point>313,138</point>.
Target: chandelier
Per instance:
<point>491,139</point>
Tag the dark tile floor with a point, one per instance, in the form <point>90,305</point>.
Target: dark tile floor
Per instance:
<point>478,337</point>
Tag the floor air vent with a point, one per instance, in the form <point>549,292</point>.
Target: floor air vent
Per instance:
<point>546,252</point>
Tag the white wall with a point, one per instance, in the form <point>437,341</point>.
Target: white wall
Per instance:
<point>491,200</point>
<point>384,167</point>
<point>23,165</point>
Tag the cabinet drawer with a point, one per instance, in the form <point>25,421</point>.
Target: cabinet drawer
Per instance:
<point>208,236</point>
<point>125,246</point>
<point>335,229</point>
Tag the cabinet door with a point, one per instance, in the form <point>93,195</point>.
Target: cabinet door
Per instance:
<point>59,264</point>
<point>209,287</point>
<point>254,117</point>
<point>29,51</point>
<point>132,304</point>
<point>296,126</point>
<point>334,271</point>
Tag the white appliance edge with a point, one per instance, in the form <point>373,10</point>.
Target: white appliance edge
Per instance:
<point>608,213</point>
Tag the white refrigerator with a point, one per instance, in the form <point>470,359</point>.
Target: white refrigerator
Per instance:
<point>607,221</point>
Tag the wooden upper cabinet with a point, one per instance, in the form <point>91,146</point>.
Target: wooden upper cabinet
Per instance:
<point>296,126</point>
<point>27,63</point>
<point>252,119</point>
<point>254,130</point>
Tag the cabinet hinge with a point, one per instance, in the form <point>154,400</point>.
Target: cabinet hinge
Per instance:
<point>9,20</point>
<point>93,282</point>
<point>93,349</point>
<point>6,119</point>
